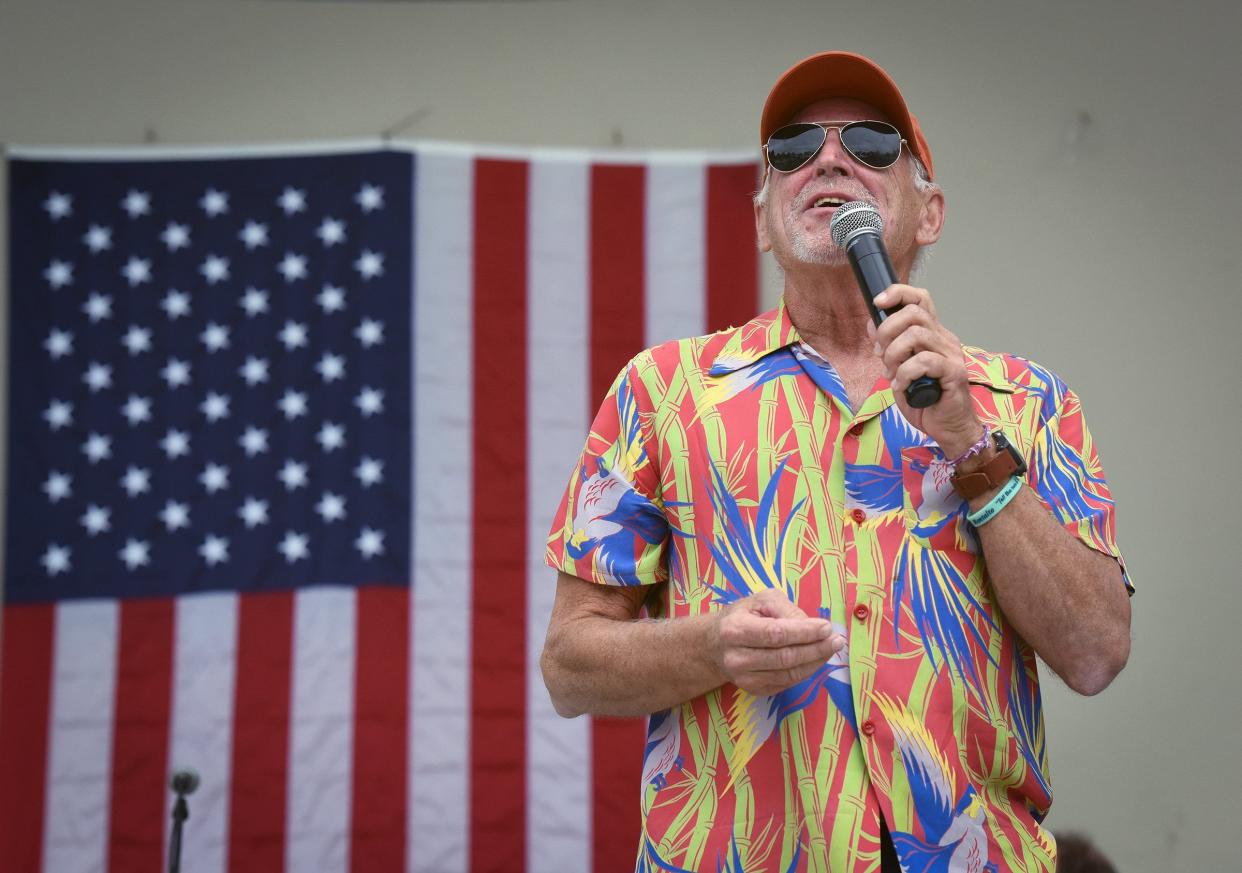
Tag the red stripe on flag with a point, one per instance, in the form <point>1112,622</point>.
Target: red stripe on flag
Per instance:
<point>617,280</point>
<point>258,794</point>
<point>25,707</point>
<point>498,578</point>
<point>140,735</point>
<point>732,256</point>
<point>381,689</point>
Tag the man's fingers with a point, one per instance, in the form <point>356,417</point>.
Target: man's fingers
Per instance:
<point>773,604</point>
<point>757,632</point>
<point>787,657</point>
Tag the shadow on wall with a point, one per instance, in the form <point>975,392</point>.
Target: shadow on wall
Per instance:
<point>1077,854</point>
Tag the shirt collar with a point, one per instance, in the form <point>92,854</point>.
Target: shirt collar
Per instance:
<point>773,331</point>
<point>756,339</point>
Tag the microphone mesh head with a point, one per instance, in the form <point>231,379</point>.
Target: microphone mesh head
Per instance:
<point>184,781</point>
<point>852,217</point>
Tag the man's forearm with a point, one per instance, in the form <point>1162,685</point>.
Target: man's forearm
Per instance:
<point>608,667</point>
<point>1066,600</point>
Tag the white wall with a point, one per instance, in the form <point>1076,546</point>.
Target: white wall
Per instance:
<point>1089,154</point>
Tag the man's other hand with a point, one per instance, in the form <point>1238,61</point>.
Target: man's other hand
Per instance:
<point>765,644</point>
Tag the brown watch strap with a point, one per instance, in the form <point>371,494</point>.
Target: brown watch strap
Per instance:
<point>993,474</point>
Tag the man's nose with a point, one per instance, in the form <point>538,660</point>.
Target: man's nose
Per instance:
<point>832,157</point>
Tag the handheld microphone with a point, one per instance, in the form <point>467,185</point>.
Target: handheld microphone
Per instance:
<point>858,229</point>
<point>184,781</point>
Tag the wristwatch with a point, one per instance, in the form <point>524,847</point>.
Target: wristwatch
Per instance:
<point>995,473</point>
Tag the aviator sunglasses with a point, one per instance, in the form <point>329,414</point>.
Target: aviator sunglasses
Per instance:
<point>876,144</point>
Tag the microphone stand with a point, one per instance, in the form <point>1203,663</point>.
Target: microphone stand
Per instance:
<point>181,811</point>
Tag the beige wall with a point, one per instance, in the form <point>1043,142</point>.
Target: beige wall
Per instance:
<point>1089,154</point>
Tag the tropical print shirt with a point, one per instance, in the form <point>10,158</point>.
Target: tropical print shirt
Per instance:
<point>722,465</point>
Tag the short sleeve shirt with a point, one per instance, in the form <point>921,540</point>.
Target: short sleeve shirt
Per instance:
<point>722,465</point>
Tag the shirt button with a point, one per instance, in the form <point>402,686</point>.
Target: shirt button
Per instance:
<point>861,612</point>
<point>868,727</point>
<point>855,431</point>
<point>858,515</point>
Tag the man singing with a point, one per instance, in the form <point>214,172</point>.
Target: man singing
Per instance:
<point>845,594</point>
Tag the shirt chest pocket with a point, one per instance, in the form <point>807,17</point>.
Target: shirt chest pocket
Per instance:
<point>934,513</point>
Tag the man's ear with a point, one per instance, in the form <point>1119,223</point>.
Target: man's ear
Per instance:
<point>761,227</point>
<point>932,219</point>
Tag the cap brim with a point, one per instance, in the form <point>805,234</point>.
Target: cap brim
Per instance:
<point>841,74</point>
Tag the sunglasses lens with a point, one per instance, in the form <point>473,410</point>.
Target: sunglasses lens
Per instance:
<point>874,143</point>
<point>793,145</point>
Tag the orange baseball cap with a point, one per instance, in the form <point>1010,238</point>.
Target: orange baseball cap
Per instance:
<point>841,74</point>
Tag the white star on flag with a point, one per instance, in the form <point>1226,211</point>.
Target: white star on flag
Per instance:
<point>97,307</point>
<point>175,516</point>
<point>370,197</point>
<point>175,444</point>
<point>369,401</point>
<point>331,231</point>
<point>294,546</point>
<point>176,373</point>
<point>137,553</point>
<point>214,269</point>
<point>98,238</point>
<point>58,486</point>
<point>98,377</point>
<point>136,271</point>
<point>331,507</point>
<point>369,264</point>
<point>253,235</point>
<point>176,303</point>
<point>215,337</point>
<point>59,274</point>
<point>56,559</point>
<point>58,414</point>
<point>253,441</point>
<point>254,301</point>
<point>175,236</point>
<point>293,475</point>
<point>96,520</point>
<point>292,404</point>
<point>137,203</point>
<point>137,339</point>
<point>253,512</point>
<point>58,344</point>
<point>331,436</point>
<point>97,448</point>
<point>215,407</point>
<point>292,335</point>
<point>58,205</point>
<point>331,299</point>
<point>137,480</point>
<point>214,202</point>
<point>215,477</point>
<point>292,267</point>
<point>370,332</point>
<point>292,200</point>
<point>137,409</point>
<point>369,472</point>
<point>254,371</point>
<point>370,542</point>
<point>215,550</point>
<point>331,367</point>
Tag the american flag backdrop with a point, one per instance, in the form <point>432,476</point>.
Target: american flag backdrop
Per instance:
<point>286,433</point>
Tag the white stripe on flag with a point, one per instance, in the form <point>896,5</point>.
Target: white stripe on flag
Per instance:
<point>321,729</point>
<point>440,596</point>
<point>676,246</point>
<point>559,756</point>
<point>75,830</point>
<point>201,723</point>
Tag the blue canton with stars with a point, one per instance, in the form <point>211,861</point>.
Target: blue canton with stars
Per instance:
<point>209,383</point>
